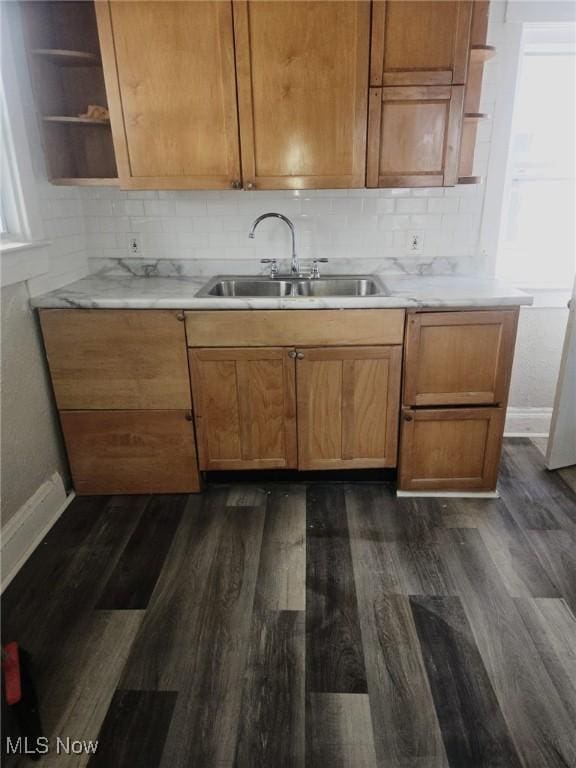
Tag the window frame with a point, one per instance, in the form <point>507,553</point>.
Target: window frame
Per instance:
<point>20,199</point>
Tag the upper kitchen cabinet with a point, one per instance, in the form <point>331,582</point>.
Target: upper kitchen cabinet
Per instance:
<point>68,85</point>
<point>414,136</point>
<point>415,42</point>
<point>302,71</point>
<point>169,70</point>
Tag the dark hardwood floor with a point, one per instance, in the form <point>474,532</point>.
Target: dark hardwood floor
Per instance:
<point>310,624</point>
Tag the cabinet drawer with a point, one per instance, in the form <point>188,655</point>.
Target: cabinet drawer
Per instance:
<point>458,358</point>
<point>131,451</point>
<point>450,449</point>
<point>262,328</point>
<point>116,359</point>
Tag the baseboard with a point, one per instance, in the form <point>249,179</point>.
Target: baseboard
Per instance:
<point>448,494</point>
<point>531,422</point>
<point>26,529</point>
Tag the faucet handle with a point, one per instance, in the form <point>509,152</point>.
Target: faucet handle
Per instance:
<point>273,266</point>
<point>315,270</point>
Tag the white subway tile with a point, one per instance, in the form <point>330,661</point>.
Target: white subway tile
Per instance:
<point>159,207</point>
<point>344,206</point>
<point>470,205</point>
<point>222,207</point>
<point>428,192</point>
<point>191,207</point>
<point>362,222</point>
<point>134,207</point>
<point>426,221</point>
<point>193,239</point>
<point>393,222</point>
<point>100,240</point>
<point>317,205</point>
<point>411,205</point>
<point>98,208</point>
<point>385,205</point>
<point>443,204</point>
<point>143,194</point>
<point>178,224</point>
<point>146,224</point>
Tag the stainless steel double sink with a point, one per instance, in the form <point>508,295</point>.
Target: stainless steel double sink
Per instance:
<point>234,286</point>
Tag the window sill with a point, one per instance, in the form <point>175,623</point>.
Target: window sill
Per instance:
<point>21,261</point>
<point>13,246</point>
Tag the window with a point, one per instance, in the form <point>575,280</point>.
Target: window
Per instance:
<point>13,225</point>
<point>537,241</point>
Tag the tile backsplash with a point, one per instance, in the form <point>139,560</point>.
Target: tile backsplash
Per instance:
<point>375,226</point>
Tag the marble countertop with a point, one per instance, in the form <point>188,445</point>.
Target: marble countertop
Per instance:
<point>129,292</point>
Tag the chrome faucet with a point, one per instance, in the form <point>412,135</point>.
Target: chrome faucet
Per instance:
<point>295,264</point>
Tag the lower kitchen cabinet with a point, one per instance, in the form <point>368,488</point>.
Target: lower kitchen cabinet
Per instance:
<point>348,402</point>
<point>244,403</point>
<point>131,451</point>
<point>450,449</point>
<point>345,412</point>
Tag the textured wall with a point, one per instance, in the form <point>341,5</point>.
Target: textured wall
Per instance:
<point>537,358</point>
<point>30,438</point>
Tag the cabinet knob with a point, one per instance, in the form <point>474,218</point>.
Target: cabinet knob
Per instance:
<point>249,185</point>
<point>188,415</point>
<point>180,316</point>
<point>408,417</point>
<point>236,184</point>
<point>299,355</point>
<point>292,354</point>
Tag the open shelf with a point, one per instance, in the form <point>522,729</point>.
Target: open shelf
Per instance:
<point>67,77</point>
<point>482,53</point>
<point>87,182</point>
<point>75,120</point>
<point>63,58</point>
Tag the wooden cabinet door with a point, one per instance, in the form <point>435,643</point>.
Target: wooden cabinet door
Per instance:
<point>420,42</point>
<point>169,70</point>
<point>414,136</point>
<point>117,359</point>
<point>244,406</point>
<point>348,402</point>
<point>302,70</point>
<point>450,449</point>
<point>131,451</point>
<point>459,358</point>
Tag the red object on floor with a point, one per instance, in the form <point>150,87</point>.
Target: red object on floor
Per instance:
<point>11,667</point>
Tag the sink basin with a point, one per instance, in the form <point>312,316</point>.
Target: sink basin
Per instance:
<point>350,286</point>
<point>250,287</point>
<point>261,287</point>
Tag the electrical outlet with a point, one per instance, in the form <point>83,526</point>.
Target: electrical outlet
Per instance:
<point>135,245</point>
<point>415,242</point>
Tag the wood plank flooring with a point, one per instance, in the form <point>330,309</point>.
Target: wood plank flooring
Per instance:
<point>321,624</point>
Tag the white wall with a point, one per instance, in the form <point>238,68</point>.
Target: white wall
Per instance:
<point>537,357</point>
<point>30,442</point>
<point>31,451</point>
